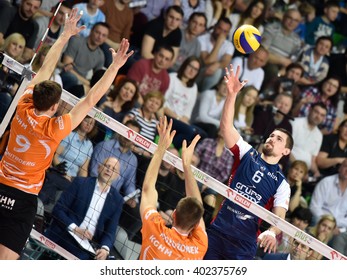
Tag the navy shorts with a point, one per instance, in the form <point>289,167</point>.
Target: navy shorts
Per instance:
<point>17,215</point>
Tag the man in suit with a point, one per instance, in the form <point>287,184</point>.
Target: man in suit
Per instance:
<point>90,209</point>
<point>298,251</point>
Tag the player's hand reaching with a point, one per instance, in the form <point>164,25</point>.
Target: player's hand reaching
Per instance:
<point>232,80</point>
<point>187,152</point>
<point>267,240</point>
<point>70,27</point>
<point>165,134</point>
<point>121,56</point>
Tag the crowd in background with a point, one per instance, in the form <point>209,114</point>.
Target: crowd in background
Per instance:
<point>297,80</point>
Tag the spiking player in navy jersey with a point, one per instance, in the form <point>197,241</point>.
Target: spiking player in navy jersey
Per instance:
<point>257,176</point>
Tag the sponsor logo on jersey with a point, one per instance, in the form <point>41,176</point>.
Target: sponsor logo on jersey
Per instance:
<point>248,192</point>
<point>273,176</point>
<point>150,212</point>
<point>60,122</point>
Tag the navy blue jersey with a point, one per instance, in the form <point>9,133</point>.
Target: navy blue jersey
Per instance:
<point>258,181</point>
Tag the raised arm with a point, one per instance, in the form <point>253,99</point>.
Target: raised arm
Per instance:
<point>229,132</point>
<point>192,188</point>
<point>149,195</point>
<point>82,108</point>
<point>51,60</point>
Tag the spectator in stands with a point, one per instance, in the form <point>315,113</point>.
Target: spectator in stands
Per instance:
<point>251,66</point>
<point>244,110</point>
<point>301,217</point>
<point>120,101</point>
<point>322,25</point>
<point>82,56</point>
<point>253,15</point>
<point>180,99</point>
<point>70,160</point>
<point>323,231</point>
<point>147,117</point>
<point>333,151</point>
<point>56,27</point>
<point>154,9</point>
<point>91,15</point>
<point>308,13</point>
<point>315,61</point>
<point>190,7</point>
<point>163,31</point>
<point>327,92</point>
<point>216,54</point>
<point>38,62</point>
<point>209,109</point>
<point>190,45</point>
<point>119,18</point>
<point>267,118</point>
<point>9,80</point>
<point>296,175</point>
<point>152,74</point>
<point>287,83</point>
<point>120,148</point>
<point>89,209</point>
<point>20,20</point>
<point>330,197</point>
<point>298,251</point>
<point>283,43</point>
<point>217,9</point>
<point>188,225</point>
<point>308,138</point>
<point>339,61</point>
<point>339,243</point>
<point>46,8</point>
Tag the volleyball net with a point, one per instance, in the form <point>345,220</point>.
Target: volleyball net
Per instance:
<point>173,160</point>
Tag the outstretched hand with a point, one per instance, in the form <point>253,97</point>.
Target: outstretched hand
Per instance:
<point>121,56</point>
<point>187,152</point>
<point>165,134</point>
<point>70,27</point>
<point>232,80</point>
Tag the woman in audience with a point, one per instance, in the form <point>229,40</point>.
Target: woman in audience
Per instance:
<point>209,109</point>
<point>327,92</point>
<point>38,61</point>
<point>147,117</point>
<point>323,231</point>
<point>333,151</point>
<point>315,61</point>
<point>9,80</point>
<point>119,103</point>
<point>244,108</point>
<point>180,99</point>
<point>297,173</point>
<point>253,15</point>
<point>216,9</point>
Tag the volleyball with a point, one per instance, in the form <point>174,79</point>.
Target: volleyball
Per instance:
<point>246,39</point>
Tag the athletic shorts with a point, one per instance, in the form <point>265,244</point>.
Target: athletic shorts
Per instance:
<point>17,215</point>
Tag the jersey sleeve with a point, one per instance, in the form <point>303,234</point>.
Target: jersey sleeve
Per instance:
<point>282,195</point>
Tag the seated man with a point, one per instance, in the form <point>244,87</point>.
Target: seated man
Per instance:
<point>158,241</point>
<point>89,209</point>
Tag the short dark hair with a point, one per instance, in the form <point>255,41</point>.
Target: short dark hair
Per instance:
<point>165,47</point>
<point>198,14</point>
<point>46,94</point>
<point>290,140</point>
<point>175,8</point>
<point>189,211</point>
<point>303,214</point>
<point>326,38</point>
<point>319,104</point>
<point>100,23</point>
<point>134,123</point>
<point>296,65</point>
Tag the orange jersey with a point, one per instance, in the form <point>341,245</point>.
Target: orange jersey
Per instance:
<point>161,243</point>
<point>32,143</point>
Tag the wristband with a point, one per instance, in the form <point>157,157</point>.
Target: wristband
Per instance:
<point>267,232</point>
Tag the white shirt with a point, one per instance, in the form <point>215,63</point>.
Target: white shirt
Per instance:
<point>254,77</point>
<point>206,46</point>
<point>327,198</point>
<point>307,142</point>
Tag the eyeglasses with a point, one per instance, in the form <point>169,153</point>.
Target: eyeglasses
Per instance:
<point>332,85</point>
<point>193,67</point>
